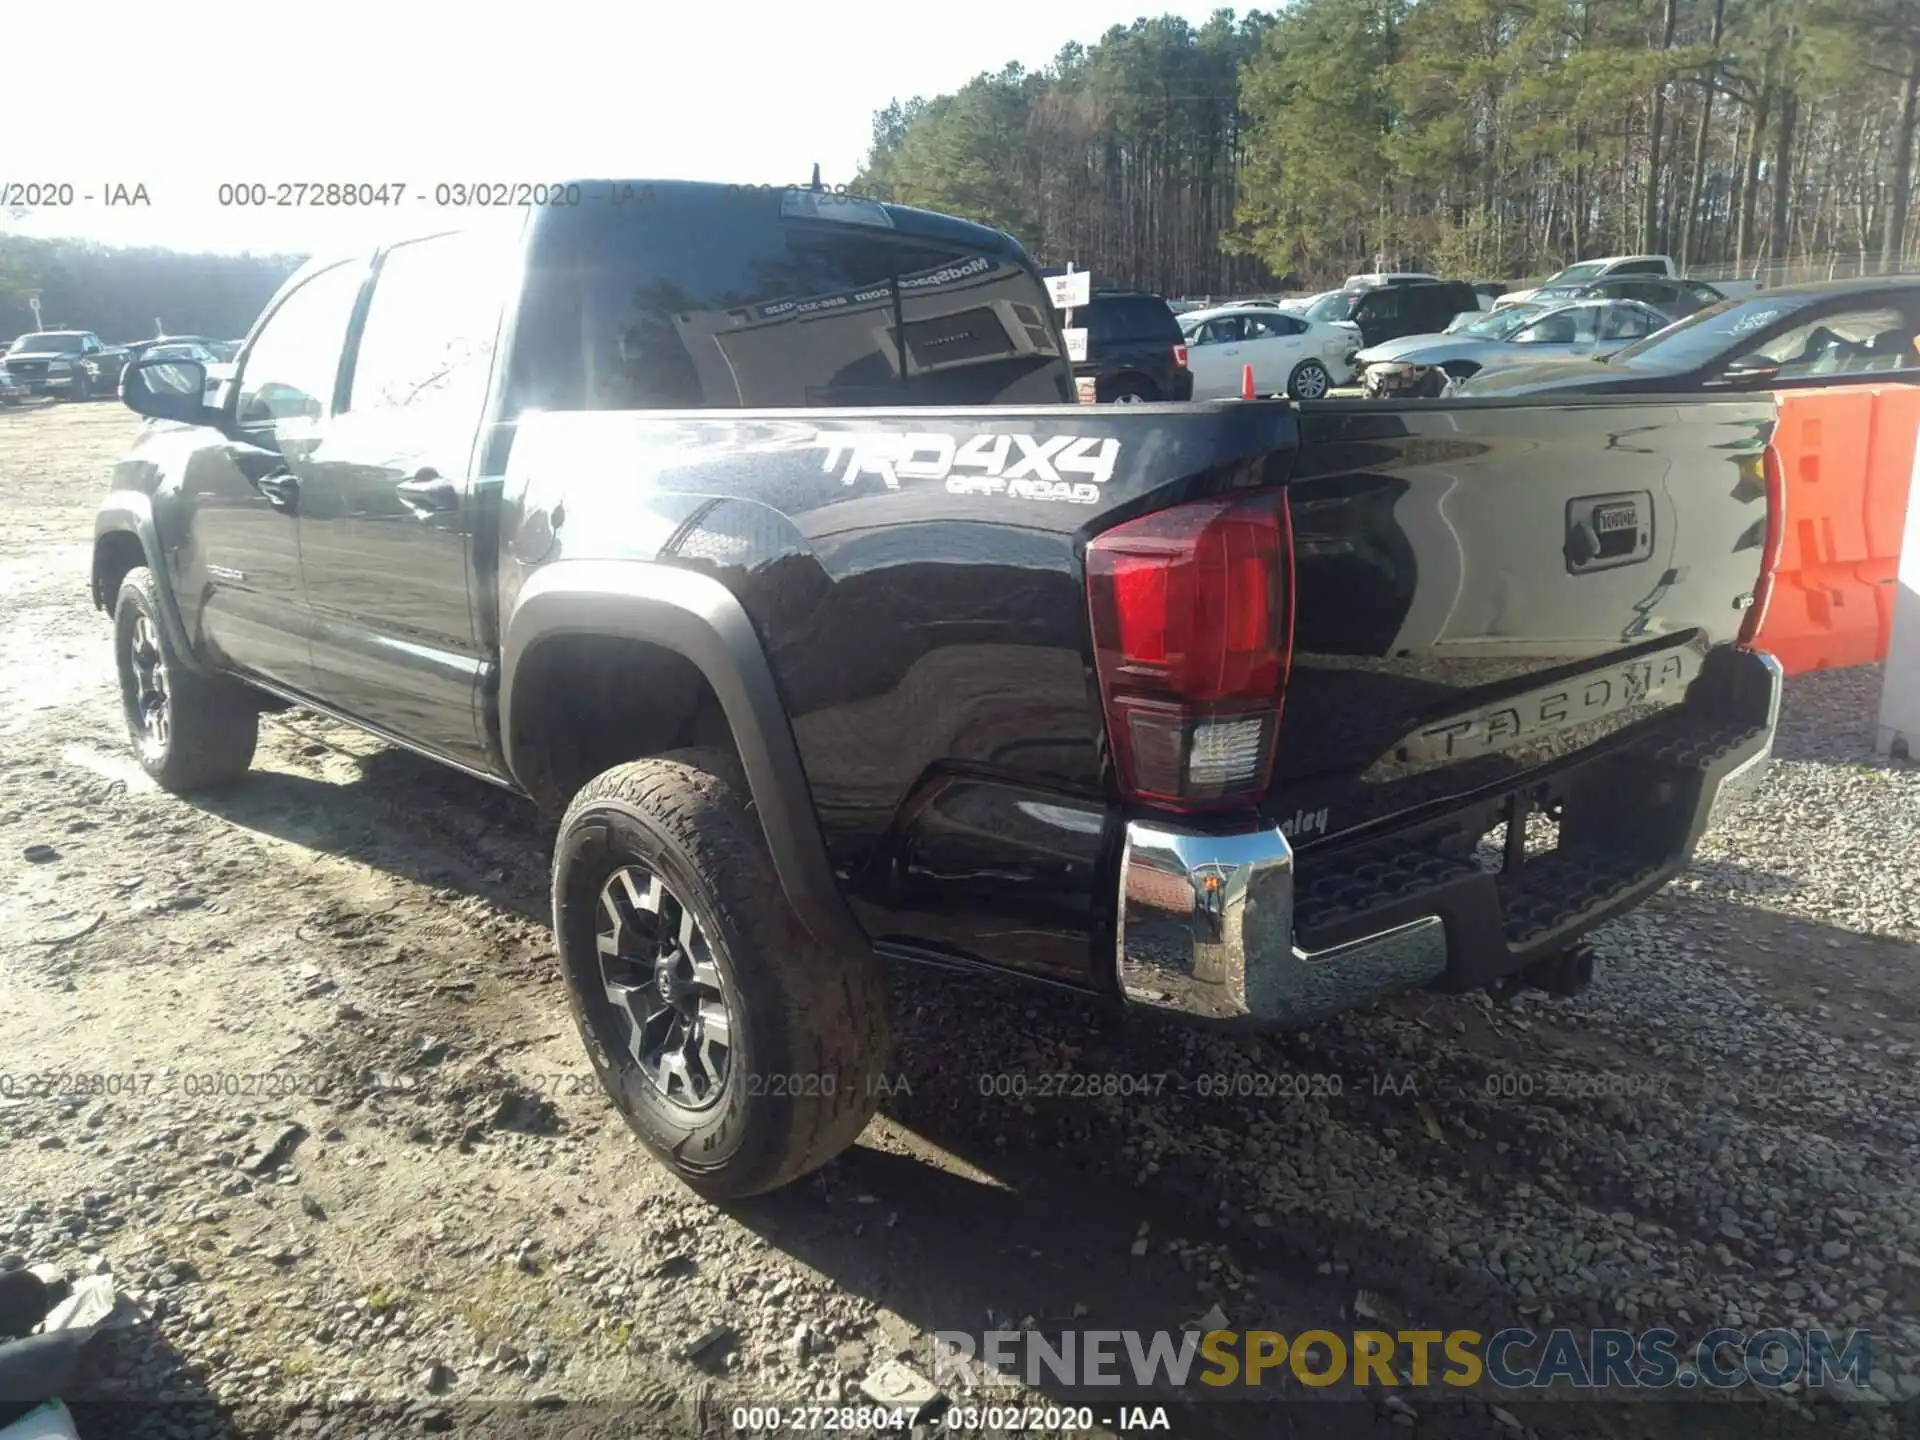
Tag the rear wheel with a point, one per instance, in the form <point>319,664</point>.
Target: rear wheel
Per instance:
<point>742,1052</point>
<point>190,731</point>
<point>1132,392</point>
<point>1309,381</point>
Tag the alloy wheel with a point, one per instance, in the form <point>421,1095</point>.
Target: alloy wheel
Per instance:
<point>667,993</point>
<point>1311,382</point>
<point>151,698</point>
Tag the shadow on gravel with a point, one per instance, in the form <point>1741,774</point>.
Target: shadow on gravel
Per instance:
<point>410,817</point>
<point>132,1384</point>
<point>1023,1249</point>
<point>1024,1224</point>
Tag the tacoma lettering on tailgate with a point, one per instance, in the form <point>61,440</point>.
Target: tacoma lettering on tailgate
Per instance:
<point>1552,709</point>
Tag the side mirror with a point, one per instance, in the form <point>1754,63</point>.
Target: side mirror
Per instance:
<point>168,390</point>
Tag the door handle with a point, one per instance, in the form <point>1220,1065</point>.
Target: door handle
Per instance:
<point>428,493</point>
<point>282,489</point>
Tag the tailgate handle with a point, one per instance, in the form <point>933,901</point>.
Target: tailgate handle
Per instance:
<point>1608,531</point>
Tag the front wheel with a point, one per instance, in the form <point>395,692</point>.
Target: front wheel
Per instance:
<point>190,731</point>
<point>741,1051</point>
<point>81,390</point>
<point>1309,381</point>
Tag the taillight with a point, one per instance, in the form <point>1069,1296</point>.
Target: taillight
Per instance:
<point>1776,534</point>
<point>1192,613</point>
<point>1180,357</point>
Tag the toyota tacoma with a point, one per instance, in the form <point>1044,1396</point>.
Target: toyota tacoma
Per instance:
<point>757,535</point>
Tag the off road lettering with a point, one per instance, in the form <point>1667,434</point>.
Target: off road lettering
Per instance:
<point>1070,468</point>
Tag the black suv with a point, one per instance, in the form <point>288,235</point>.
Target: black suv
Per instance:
<point>1386,312</point>
<point>1135,351</point>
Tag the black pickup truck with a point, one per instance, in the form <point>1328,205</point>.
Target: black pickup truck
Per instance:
<point>757,532</point>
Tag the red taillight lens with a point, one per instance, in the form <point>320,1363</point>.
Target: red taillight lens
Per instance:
<point>1192,614</point>
<point>1776,535</point>
<point>1180,356</point>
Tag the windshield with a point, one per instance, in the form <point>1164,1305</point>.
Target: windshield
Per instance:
<point>1704,334</point>
<point>1336,306</point>
<point>1574,274</point>
<point>53,342</point>
<point>1493,324</point>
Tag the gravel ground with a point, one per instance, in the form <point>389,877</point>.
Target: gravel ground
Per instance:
<point>409,1211</point>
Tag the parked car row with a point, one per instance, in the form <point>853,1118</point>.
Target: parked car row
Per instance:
<point>1421,365</point>
<point>78,365</point>
<point>1841,331</point>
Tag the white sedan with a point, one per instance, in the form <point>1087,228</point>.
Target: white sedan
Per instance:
<point>1305,358</point>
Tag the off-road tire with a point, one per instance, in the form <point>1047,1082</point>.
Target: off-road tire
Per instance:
<point>804,1076</point>
<point>212,722</point>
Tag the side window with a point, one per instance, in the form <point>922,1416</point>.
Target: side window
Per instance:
<point>292,365</point>
<point>1625,323</point>
<point>1640,267</point>
<point>431,326</point>
<point>1845,343</point>
<point>1558,329</point>
<point>1379,305</point>
<point>1223,331</point>
<point>1262,327</point>
<point>1280,326</point>
<point>1150,320</point>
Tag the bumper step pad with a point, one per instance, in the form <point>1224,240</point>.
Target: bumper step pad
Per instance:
<point>1344,890</point>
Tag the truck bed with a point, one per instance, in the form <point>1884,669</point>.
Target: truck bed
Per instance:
<point>926,619</point>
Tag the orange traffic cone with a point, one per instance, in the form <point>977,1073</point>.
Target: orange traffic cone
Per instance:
<point>1246,382</point>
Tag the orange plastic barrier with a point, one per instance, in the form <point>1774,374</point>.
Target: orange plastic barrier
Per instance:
<point>1847,457</point>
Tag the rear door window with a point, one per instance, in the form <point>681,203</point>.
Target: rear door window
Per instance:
<point>1380,305</point>
<point>1274,327</point>
<point>722,301</point>
<point>1222,331</point>
<point>1146,318</point>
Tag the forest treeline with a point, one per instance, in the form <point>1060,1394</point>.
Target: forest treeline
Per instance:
<point>1488,139</point>
<point>118,294</point>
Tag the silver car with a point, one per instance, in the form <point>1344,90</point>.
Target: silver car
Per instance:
<point>1423,365</point>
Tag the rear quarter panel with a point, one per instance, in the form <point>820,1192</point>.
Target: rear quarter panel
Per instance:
<point>916,580</point>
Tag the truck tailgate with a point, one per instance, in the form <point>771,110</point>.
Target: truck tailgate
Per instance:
<point>1484,586</point>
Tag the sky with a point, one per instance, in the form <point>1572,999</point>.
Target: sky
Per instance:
<point>181,98</point>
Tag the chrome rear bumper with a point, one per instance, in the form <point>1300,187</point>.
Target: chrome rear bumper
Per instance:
<point>1206,921</point>
<point>1206,929</point>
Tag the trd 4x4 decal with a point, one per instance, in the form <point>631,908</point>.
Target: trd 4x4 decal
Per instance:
<point>1022,467</point>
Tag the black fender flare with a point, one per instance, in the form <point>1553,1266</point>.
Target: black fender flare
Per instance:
<point>130,512</point>
<point>696,617</point>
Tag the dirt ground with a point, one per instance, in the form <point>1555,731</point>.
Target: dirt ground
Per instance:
<point>294,1065</point>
